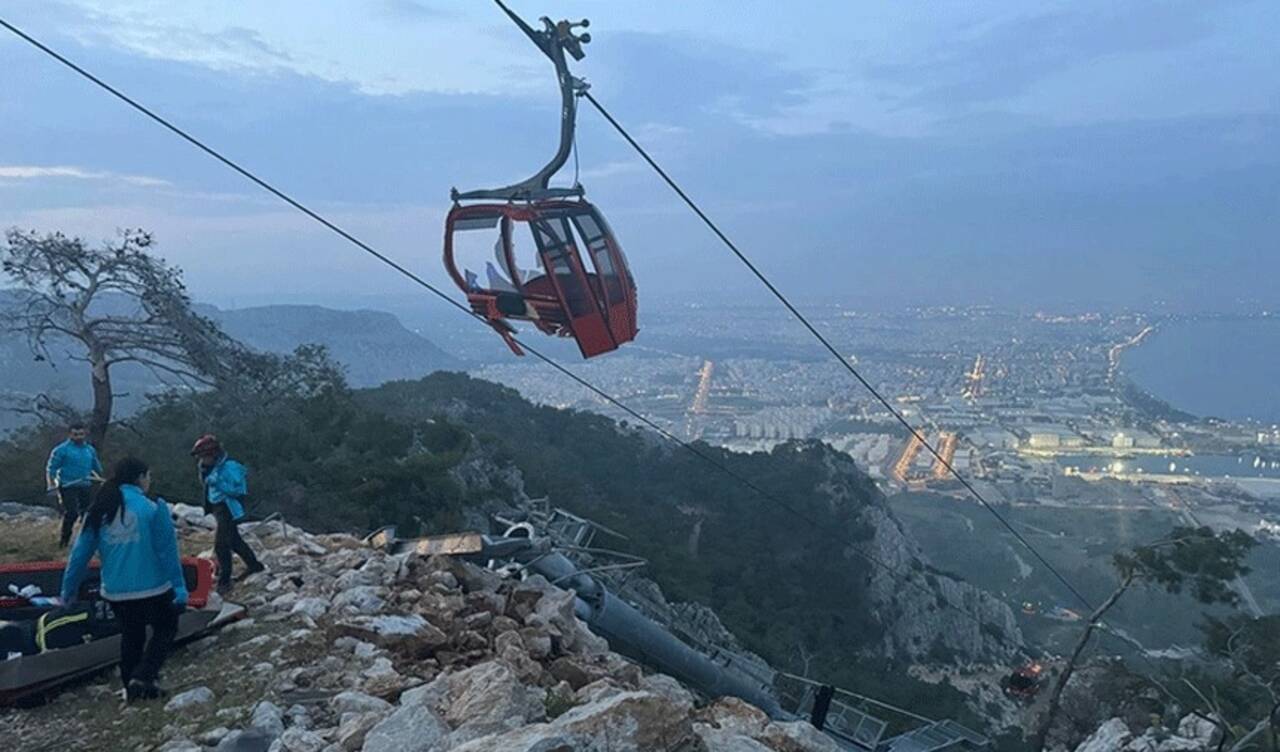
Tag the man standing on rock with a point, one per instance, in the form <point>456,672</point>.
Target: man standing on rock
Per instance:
<point>225,487</point>
<point>73,464</point>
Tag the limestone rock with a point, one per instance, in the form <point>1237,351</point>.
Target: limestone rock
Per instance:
<point>358,702</point>
<point>301,740</point>
<point>1200,729</point>
<point>1109,737</point>
<point>362,599</point>
<point>579,672</point>
<point>623,722</point>
<point>661,684</point>
<point>722,740</point>
<point>797,736</point>
<point>386,630</point>
<point>538,738</point>
<point>189,699</point>
<point>412,728</point>
<point>249,740</point>
<point>313,607</point>
<point>487,698</point>
<point>737,716</point>
<point>354,729</point>
<point>628,721</point>
<point>268,717</point>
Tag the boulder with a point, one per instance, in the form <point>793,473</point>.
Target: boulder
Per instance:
<point>736,716</point>
<point>722,740</point>
<point>313,607</point>
<point>797,736</point>
<point>412,728</point>
<point>486,699</point>
<point>249,740</point>
<point>537,738</point>
<point>189,699</point>
<point>1110,736</point>
<point>512,653</point>
<point>661,684</point>
<point>362,599</point>
<point>211,737</point>
<point>300,740</point>
<point>442,580</point>
<point>628,722</point>
<point>523,600</point>
<point>578,672</point>
<point>1200,729</point>
<point>358,702</point>
<point>536,643</point>
<point>387,630</point>
<point>597,690</point>
<point>354,729</point>
<point>267,717</point>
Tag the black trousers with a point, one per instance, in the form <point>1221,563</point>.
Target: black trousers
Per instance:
<point>226,540</point>
<point>140,658</point>
<point>74,502</point>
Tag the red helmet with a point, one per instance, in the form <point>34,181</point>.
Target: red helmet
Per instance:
<point>207,444</point>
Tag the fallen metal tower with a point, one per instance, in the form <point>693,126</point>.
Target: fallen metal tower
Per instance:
<point>557,545</point>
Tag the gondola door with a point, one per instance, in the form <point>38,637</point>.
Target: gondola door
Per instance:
<point>612,280</point>
<point>564,267</point>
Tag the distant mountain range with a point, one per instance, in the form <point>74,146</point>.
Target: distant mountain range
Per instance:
<point>373,346</point>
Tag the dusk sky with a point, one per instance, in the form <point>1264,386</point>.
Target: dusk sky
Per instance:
<point>1028,154</point>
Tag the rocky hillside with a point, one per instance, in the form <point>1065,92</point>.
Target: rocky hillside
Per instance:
<point>350,649</point>
<point>698,527</point>
<point>373,346</point>
<point>817,576</point>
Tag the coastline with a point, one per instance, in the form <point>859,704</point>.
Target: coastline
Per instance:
<point>1215,369</point>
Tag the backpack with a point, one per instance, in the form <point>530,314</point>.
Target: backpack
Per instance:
<point>75,625</point>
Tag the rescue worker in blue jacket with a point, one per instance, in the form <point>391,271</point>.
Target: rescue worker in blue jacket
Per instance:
<point>72,467</point>
<point>225,487</point>
<point>142,579</point>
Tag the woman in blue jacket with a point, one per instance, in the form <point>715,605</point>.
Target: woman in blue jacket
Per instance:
<point>134,539</point>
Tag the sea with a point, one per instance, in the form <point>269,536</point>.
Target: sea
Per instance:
<point>1226,368</point>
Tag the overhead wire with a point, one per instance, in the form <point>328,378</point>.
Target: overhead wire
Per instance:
<point>848,366</point>
<point>415,278</point>
<point>826,343</point>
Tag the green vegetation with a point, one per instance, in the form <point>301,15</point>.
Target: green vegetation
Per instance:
<point>338,459</point>
<point>964,538</point>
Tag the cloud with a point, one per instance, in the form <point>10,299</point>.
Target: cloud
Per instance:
<point>613,169</point>
<point>35,172</point>
<point>1005,59</point>
<point>388,48</point>
<point>229,49</point>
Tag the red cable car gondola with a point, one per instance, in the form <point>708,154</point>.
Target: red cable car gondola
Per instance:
<point>581,286</point>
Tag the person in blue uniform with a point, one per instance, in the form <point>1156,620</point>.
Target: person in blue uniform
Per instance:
<point>72,467</point>
<point>134,539</point>
<point>225,487</point>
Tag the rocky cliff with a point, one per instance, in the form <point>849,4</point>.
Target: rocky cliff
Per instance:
<point>351,649</point>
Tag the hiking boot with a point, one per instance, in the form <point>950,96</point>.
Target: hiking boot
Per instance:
<point>225,587</point>
<point>138,691</point>
<point>253,569</point>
